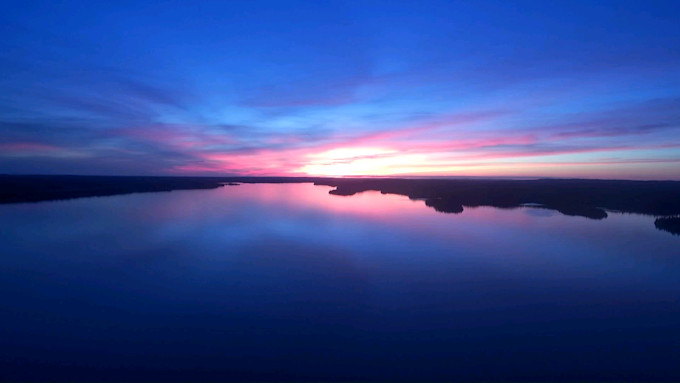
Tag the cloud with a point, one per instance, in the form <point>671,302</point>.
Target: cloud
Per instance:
<point>279,89</point>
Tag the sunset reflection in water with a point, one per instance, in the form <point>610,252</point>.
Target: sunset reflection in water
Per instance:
<point>261,280</point>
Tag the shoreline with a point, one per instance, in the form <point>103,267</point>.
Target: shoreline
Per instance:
<point>571,197</point>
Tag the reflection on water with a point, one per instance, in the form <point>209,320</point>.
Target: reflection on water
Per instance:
<point>285,282</point>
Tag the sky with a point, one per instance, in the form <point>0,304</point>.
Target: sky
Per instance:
<point>587,89</point>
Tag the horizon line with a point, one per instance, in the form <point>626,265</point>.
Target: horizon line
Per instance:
<point>452,177</point>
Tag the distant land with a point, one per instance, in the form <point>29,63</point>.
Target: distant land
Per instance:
<point>574,197</point>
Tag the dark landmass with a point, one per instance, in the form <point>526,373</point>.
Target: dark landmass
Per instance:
<point>585,198</point>
<point>574,197</point>
<point>444,205</point>
<point>669,224</point>
<point>14,189</point>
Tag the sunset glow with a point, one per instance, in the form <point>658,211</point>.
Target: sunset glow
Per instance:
<point>424,89</point>
<point>340,190</point>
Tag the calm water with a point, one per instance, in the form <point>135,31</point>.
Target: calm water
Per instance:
<point>284,282</point>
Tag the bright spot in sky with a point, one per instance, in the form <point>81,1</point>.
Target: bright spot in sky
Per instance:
<point>359,161</point>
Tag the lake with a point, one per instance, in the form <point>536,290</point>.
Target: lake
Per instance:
<point>286,282</point>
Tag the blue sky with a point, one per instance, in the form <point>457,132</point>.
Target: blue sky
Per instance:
<point>492,88</point>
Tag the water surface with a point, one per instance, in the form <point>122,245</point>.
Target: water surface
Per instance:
<point>286,282</point>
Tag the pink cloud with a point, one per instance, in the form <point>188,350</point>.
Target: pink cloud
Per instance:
<point>174,136</point>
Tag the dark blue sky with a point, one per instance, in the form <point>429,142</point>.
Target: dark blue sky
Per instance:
<point>549,88</point>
